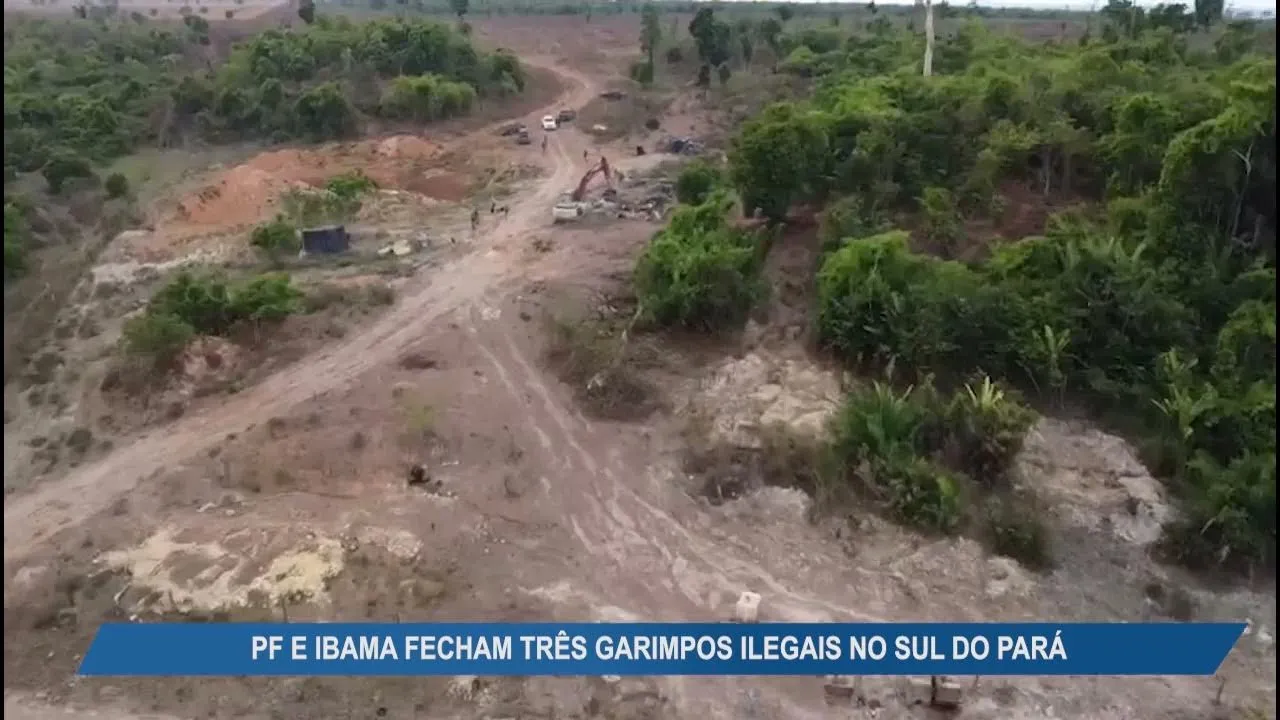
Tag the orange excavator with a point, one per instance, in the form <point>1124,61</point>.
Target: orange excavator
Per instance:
<point>600,169</point>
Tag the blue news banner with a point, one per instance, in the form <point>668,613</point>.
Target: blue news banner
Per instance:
<point>304,649</point>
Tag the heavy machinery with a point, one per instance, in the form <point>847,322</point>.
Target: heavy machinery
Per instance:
<point>570,206</point>
<point>601,168</point>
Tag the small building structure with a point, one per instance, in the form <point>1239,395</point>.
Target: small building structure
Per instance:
<point>327,240</point>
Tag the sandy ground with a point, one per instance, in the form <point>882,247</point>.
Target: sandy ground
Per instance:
<point>295,488</point>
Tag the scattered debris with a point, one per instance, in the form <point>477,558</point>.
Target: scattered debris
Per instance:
<point>400,248</point>
<point>838,687</point>
<point>613,94</point>
<point>946,693</point>
<point>464,687</point>
<point>748,608</point>
<point>682,146</point>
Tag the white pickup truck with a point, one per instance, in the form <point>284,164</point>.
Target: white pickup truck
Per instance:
<point>566,209</point>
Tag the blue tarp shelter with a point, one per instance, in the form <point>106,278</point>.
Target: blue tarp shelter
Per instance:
<point>328,240</point>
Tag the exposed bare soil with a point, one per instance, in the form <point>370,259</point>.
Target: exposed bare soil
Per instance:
<point>290,495</point>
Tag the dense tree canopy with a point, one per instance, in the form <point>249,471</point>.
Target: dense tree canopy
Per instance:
<point>1152,300</point>
<point>97,90</point>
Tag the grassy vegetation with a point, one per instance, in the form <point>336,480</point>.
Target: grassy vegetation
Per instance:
<point>1152,302</point>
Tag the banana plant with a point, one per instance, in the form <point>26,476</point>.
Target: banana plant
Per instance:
<point>1052,345</point>
<point>1184,407</point>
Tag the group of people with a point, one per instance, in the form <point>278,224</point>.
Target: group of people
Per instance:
<point>494,209</point>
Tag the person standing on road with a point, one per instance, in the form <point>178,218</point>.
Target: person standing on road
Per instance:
<point>544,144</point>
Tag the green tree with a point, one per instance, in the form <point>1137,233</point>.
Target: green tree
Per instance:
<point>770,31</point>
<point>460,8</point>
<point>1208,12</point>
<point>784,12</point>
<point>63,166</point>
<point>777,157</point>
<point>711,36</point>
<point>307,11</point>
<point>324,113</point>
<point>696,181</point>
<point>650,31</point>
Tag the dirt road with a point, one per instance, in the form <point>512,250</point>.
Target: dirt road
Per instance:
<point>55,505</point>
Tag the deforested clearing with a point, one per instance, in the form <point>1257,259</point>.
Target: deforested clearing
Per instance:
<point>309,318</point>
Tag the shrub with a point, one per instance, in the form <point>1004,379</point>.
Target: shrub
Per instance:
<point>276,239</point>
<point>117,185</point>
<point>158,335</point>
<point>642,72</point>
<point>1230,512</point>
<point>265,298</point>
<point>351,185</point>
<point>212,307</point>
<point>921,493</point>
<point>942,222</point>
<point>63,166</point>
<point>204,303</point>
<point>883,437</point>
<point>901,446</point>
<point>880,303</point>
<point>878,424</point>
<point>849,218</point>
<point>191,305</point>
<point>699,272</point>
<point>696,181</point>
<point>987,427</point>
<point>1016,530</point>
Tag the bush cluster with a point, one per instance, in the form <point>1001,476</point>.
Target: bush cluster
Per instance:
<point>191,305</point>
<point>128,84</point>
<point>700,272</point>
<point>922,453</point>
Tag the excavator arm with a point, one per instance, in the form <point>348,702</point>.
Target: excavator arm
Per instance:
<point>601,169</point>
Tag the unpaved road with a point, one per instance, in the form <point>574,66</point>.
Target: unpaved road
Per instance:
<point>54,505</point>
<point>644,551</point>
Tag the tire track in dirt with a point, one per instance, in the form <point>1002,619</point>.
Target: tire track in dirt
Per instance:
<point>52,506</point>
<point>642,562</point>
<point>608,509</point>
